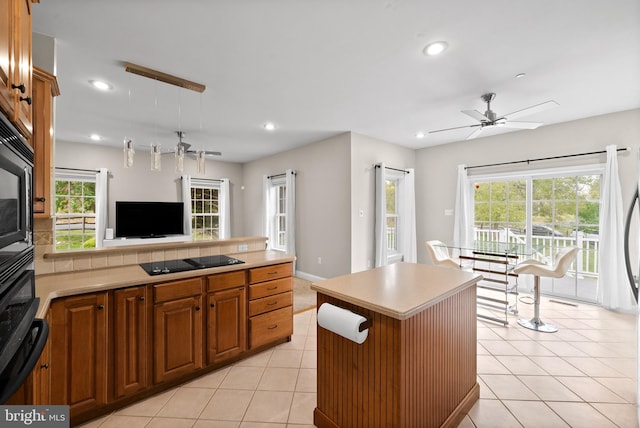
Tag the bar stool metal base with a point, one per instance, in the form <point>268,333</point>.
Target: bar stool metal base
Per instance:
<point>537,325</point>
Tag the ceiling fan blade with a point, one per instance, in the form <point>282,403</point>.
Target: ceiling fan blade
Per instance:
<point>476,115</point>
<point>209,152</point>
<point>521,125</point>
<point>475,134</point>
<point>451,129</point>
<point>531,110</point>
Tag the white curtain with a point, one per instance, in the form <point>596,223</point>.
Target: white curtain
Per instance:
<point>613,290</point>
<point>407,210</point>
<point>290,209</point>
<point>380,215</point>
<point>186,199</point>
<point>102,177</point>
<point>225,209</point>
<point>269,211</point>
<point>463,213</point>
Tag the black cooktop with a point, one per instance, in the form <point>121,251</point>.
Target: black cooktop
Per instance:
<point>181,265</point>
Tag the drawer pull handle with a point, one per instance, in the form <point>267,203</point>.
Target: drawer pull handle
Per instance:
<point>272,288</point>
<point>141,298</point>
<point>272,273</point>
<point>272,327</point>
<point>19,87</point>
<point>26,99</point>
<point>272,303</point>
<point>44,366</point>
<point>41,199</point>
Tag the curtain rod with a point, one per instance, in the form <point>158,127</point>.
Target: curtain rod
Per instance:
<point>624,149</point>
<point>78,169</point>
<point>394,169</point>
<point>207,179</point>
<point>280,175</point>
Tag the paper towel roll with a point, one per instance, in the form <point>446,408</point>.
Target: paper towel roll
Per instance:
<point>342,322</point>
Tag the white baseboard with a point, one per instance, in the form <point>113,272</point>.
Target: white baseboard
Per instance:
<point>308,276</point>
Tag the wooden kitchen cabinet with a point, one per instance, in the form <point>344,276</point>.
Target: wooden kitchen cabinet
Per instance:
<point>79,344</point>
<point>131,341</point>
<point>226,316</point>
<point>178,336</point>
<point>270,304</point>
<point>45,88</point>
<point>41,372</point>
<point>15,63</point>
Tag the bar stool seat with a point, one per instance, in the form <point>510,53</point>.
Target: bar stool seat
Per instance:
<point>439,255</point>
<point>564,258</point>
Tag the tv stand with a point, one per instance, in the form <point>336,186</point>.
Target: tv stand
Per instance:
<point>156,239</point>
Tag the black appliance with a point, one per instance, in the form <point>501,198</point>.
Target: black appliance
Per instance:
<point>181,265</point>
<point>149,219</point>
<point>22,337</point>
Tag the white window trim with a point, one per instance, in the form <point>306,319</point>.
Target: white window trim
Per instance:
<point>207,184</point>
<point>275,184</point>
<point>83,176</point>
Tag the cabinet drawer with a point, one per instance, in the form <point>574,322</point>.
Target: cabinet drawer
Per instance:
<point>222,281</point>
<point>264,289</point>
<point>270,303</point>
<point>268,273</point>
<point>271,326</point>
<point>176,290</point>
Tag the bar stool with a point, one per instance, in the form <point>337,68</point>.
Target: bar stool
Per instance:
<point>564,258</point>
<point>439,255</point>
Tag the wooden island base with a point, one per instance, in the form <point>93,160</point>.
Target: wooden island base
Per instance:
<point>413,372</point>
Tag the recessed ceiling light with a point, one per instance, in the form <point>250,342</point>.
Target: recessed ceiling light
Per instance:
<point>420,134</point>
<point>100,84</point>
<point>269,126</point>
<point>95,137</point>
<point>520,75</point>
<point>435,48</point>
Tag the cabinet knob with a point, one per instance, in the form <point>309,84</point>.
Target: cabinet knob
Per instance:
<point>44,366</point>
<point>100,307</point>
<point>26,99</point>
<point>197,308</point>
<point>213,305</point>
<point>19,87</point>
<point>141,298</point>
<point>41,199</point>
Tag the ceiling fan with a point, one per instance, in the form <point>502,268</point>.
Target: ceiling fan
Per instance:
<point>490,119</point>
<point>186,147</point>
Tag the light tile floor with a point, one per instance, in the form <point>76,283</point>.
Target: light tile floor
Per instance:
<point>582,376</point>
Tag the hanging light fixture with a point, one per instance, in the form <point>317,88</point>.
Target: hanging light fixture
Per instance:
<point>179,157</point>
<point>128,152</point>
<point>200,160</point>
<point>156,156</point>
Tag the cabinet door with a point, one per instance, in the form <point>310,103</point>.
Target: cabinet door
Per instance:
<point>41,381</point>
<point>227,324</point>
<point>42,141</point>
<point>6,56</point>
<point>78,352</point>
<point>130,340</point>
<point>22,70</point>
<point>177,338</point>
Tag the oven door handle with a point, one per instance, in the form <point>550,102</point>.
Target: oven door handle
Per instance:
<point>7,390</point>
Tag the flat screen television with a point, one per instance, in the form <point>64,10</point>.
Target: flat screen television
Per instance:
<point>149,219</point>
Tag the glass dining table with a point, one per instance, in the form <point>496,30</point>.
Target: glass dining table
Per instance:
<point>498,291</point>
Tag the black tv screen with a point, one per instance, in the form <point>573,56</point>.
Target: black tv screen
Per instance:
<point>149,219</point>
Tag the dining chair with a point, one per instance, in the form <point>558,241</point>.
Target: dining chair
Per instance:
<point>439,255</point>
<point>564,258</point>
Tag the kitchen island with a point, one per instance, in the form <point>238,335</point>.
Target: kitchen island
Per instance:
<point>417,366</point>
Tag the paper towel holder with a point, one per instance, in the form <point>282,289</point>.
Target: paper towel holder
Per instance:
<point>364,325</point>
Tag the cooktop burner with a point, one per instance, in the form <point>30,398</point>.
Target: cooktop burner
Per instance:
<point>173,266</point>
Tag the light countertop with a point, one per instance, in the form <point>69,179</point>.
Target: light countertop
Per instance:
<point>399,290</point>
<point>55,285</point>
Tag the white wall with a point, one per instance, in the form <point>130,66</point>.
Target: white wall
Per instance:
<point>365,153</point>
<point>436,167</point>
<point>322,203</point>
<point>139,183</point>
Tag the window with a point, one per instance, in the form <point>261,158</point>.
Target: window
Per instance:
<point>75,218</point>
<point>205,212</point>
<point>546,210</point>
<point>279,222</point>
<point>391,188</point>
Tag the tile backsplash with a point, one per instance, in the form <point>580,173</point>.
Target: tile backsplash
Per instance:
<point>49,261</point>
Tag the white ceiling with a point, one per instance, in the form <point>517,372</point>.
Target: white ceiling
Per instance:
<point>318,68</point>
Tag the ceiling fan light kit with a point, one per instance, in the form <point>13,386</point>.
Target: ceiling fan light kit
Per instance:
<point>490,119</point>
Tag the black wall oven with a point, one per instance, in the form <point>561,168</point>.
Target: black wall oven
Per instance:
<point>22,336</point>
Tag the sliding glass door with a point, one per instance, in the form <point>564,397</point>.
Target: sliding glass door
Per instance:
<point>546,211</point>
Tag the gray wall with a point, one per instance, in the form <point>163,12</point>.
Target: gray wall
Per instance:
<point>437,166</point>
<point>323,197</point>
<point>139,183</point>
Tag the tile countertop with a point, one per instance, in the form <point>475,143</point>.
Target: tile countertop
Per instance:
<point>399,290</point>
<point>51,286</point>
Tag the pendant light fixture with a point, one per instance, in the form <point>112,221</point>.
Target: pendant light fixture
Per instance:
<point>156,157</point>
<point>129,152</point>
